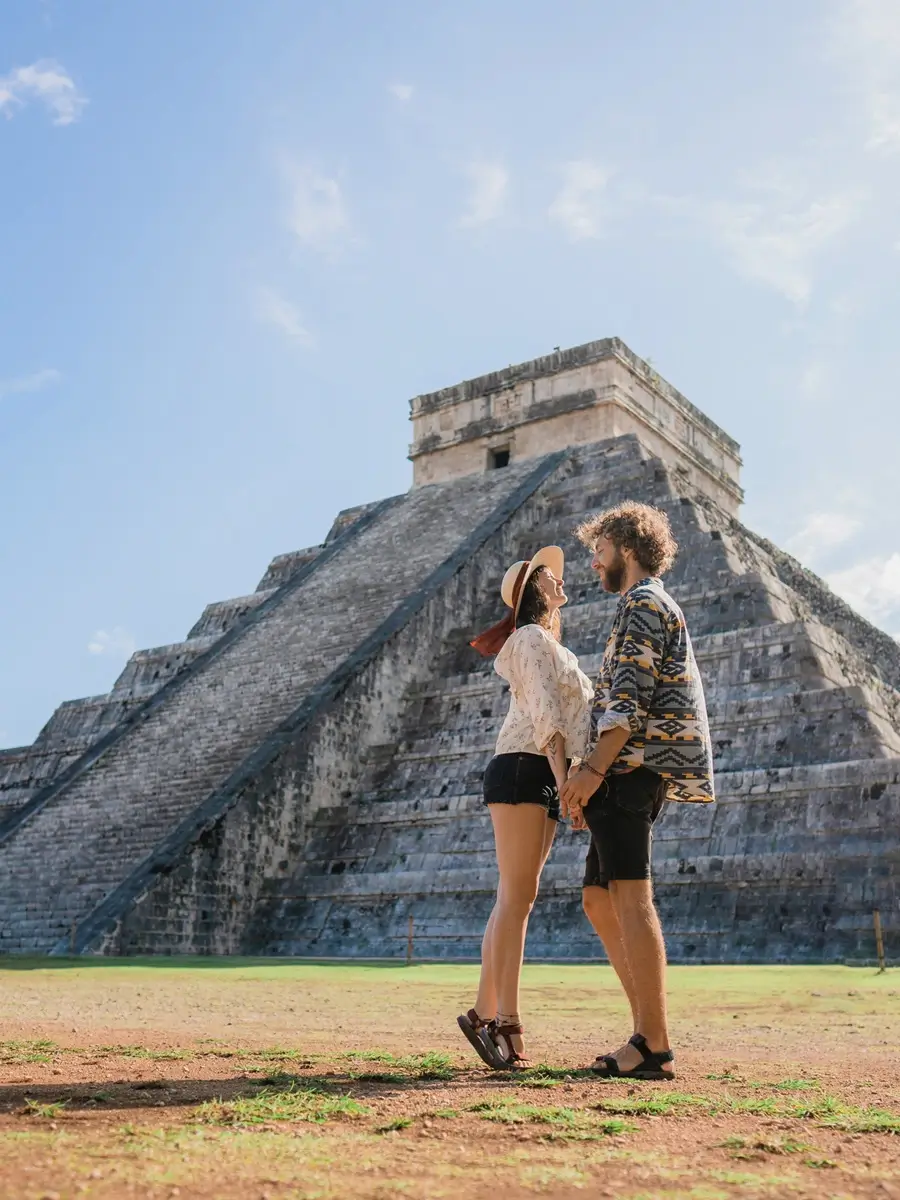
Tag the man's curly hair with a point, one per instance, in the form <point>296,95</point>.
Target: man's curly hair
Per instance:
<point>638,527</point>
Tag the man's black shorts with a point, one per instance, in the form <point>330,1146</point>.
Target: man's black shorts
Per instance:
<point>620,816</point>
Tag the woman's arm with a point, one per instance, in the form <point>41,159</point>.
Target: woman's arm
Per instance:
<point>556,756</point>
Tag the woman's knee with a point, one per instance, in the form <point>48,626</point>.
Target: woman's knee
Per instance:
<point>518,901</point>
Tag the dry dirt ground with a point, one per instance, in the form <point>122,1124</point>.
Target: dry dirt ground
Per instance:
<point>232,1078</point>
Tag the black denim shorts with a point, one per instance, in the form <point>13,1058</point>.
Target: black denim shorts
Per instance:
<point>620,816</point>
<point>521,779</point>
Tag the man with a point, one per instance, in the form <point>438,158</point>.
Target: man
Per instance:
<point>651,743</point>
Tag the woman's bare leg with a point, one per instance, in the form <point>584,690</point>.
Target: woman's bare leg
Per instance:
<point>486,1000</point>
<point>522,843</point>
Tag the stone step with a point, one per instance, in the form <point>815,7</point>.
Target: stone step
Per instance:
<point>68,854</point>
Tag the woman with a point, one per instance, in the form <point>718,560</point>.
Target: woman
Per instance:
<point>547,724</point>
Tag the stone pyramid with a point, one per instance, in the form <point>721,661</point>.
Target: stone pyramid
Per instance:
<point>301,775</point>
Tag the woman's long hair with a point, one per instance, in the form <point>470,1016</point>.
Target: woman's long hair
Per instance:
<point>534,609</point>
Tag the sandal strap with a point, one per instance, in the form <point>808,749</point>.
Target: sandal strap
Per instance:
<point>506,1030</point>
<point>476,1021</point>
<point>653,1058</point>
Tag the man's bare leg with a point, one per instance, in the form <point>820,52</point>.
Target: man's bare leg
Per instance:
<point>599,910</point>
<point>645,951</point>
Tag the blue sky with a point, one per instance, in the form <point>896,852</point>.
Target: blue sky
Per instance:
<point>236,238</point>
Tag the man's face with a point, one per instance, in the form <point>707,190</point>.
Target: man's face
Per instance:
<point>610,564</point>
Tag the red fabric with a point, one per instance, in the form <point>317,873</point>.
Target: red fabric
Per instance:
<point>492,640</point>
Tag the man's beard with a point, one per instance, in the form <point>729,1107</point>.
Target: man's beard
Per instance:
<point>613,575</point>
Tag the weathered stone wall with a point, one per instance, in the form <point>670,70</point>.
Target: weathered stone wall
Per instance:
<point>303,774</point>
<point>70,848</point>
<point>801,733</point>
<point>224,894</point>
<point>572,398</point>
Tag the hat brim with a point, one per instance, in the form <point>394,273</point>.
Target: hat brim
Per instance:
<point>548,556</point>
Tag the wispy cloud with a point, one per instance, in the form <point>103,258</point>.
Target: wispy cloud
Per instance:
<point>29,383</point>
<point>47,82</point>
<point>578,206</point>
<point>401,91</point>
<point>275,310</point>
<point>487,197</point>
<point>317,213</point>
<point>872,587</point>
<point>777,234</point>
<point>820,533</point>
<point>116,642</point>
<point>865,36</point>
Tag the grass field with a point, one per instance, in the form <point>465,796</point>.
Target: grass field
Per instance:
<point>252,1079</point>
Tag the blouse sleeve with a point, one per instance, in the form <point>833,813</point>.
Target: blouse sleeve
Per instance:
<point>537,676</point>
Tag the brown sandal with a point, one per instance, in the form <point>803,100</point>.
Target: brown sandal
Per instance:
<point>506,1058</point>
<point>475,1030</point>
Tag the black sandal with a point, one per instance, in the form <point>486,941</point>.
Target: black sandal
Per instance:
<point>474,1028</point>
<point>506,1058</point>
<point>650,1068</point>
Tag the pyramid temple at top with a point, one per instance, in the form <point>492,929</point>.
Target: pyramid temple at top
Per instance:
<point>302,774</point>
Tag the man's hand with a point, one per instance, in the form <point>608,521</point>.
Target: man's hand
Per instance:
<point>578,789</point>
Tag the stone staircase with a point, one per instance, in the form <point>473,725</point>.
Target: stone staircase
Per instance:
<point>302,775</point>
<point>803,728</point>
<point>150,763</point>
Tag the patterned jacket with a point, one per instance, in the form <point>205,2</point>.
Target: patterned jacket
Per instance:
<point>650,685</point>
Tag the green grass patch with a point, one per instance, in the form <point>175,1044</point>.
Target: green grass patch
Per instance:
<point>656,1105</point>
<point>55,1108</point>
<point>569,1124</point>
<point>396,1125</point>
<point>144,1052</point>
<point>292,1103</point>
<point>859,1120</point>
<point>40,1051</point>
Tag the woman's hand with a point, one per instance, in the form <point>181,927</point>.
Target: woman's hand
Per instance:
<point>578,789</point>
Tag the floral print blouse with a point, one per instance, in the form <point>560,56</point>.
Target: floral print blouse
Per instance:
<point>548,694</point>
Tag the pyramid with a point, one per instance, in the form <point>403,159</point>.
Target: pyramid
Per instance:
<point>301,776</point>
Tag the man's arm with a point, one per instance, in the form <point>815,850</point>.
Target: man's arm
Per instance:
<point>634,681</point>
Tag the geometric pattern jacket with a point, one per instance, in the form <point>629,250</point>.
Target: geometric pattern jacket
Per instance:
<point>650,685</point>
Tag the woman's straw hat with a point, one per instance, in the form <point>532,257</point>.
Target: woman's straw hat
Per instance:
<point>547,556</point>
<point>511,589</point>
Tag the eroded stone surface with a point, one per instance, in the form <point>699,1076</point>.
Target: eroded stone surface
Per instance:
<point>302,774</point>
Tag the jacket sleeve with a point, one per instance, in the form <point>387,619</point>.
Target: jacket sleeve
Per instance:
<point>537,676</point>
<point>635,673</point>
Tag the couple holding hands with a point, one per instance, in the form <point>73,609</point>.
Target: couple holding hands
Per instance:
<point>605,756</point>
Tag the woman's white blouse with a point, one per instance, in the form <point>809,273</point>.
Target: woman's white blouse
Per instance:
<point>548,694</point>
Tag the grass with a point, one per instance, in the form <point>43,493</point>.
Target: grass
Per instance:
<point>577,1123</point>
<point>431,1065</point>
<point>282,1125</point>
<point>292,1103</point>
<point>144,1052</point>
<point>27,1052</point>
<point>54,1109</point>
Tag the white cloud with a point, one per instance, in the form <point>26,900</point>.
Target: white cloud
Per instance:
<point>777,239</point>
<point>317,213</point>
<point>116,642</point>
<point>275,310</point>
<point>865,36</point>
<point>820,533</point>
<point>578,206</point>
<point>871,587</point>
<point>47,82</point>
<point>29,383</point>
<point>401,91</point>
<point>487,199</point>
